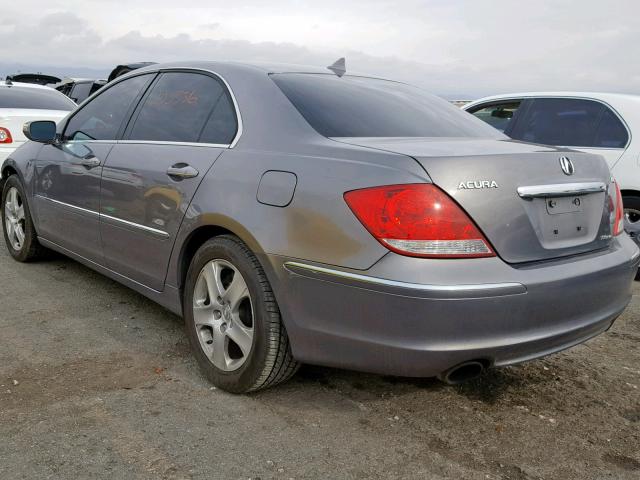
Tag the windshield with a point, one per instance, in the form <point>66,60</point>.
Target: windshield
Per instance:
<point>34,99</point>
<point>366,107</point>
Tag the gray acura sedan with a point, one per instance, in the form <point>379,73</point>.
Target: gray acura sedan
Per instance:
<point>296,215</point>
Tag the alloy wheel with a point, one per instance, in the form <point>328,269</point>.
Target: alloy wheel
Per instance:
<point>14,219</point>
<point>223,315</point>
<point>632,220</point>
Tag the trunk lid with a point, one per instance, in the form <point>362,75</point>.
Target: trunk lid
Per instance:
<point>517,193</point>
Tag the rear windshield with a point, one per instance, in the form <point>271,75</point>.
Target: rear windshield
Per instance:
<point>34,98</point>
<point>366,107</point>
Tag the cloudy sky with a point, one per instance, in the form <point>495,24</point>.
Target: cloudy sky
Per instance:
<point>456,48</point>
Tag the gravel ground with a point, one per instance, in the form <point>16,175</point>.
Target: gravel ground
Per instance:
<point>97,382</point>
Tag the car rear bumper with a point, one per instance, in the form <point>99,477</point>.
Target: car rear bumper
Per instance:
<point>445,312</point>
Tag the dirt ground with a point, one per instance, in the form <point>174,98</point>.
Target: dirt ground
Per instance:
<point>97,382</point>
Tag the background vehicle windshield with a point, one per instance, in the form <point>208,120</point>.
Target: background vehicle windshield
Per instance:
<point>34,98</point>
<point>366,107</point>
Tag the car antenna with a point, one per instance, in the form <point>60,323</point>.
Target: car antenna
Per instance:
<point>338,67</point>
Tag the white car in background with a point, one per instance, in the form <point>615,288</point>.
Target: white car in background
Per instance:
<point>24,102</point>
<point>602,123</point>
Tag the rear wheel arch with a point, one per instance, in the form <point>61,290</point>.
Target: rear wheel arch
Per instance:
<point>198,236</point>
<point>630,193</point>
<point>7,171</point>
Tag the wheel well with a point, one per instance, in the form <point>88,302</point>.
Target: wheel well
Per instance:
<point>630,193</point>
<point>193,243</point>
<point>8,171</point>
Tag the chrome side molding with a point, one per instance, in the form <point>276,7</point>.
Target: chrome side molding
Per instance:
<point>429,290</point>
<point>561,189</point>
<point>144,228</point>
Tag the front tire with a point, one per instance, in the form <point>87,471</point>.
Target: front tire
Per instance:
<point>19,233</point>
<point>232,319</point>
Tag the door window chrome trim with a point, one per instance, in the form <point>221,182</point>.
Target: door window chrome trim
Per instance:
<point>135,73</point>
<point>152,142</point>
<point>164,142</point>
<point>239,129</point>
<point>561,189</point>
<point>155,231</point>
<point>479,287</point>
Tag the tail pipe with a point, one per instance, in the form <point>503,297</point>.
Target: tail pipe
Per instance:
<point>462,372</point>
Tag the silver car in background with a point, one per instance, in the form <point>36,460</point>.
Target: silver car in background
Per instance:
<point>295,215</point>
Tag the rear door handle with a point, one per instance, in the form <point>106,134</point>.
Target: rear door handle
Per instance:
<point>182,170</point>
<point>91,162</point>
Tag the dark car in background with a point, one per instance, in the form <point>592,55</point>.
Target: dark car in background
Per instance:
<point>35,78</point>
<point>294,215</point>
<point>80,89</point>
<point>126,68</point>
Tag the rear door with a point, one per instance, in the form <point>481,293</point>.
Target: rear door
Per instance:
<point>186,120</point>
<point>583,124</point>
<point>67,190</point>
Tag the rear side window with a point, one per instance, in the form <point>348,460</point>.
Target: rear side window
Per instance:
<point>561,121</point>
<point>611,132</point>
<point>102,117</point>
<point>186,107</point>
<point>34,98</point>
<point>366,107</point>
<point>498,115</point>
<point>222,125</point>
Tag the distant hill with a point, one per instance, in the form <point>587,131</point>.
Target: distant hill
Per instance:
<point>58,71</point>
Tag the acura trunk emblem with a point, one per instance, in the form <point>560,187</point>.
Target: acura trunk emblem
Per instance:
<point>566,165</point>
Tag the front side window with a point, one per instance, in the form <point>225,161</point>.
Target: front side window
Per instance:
<point>102,117</point>
<point>498,115</point>
<point>34,98</point>
<point>560,121</point>
<point>186,107</point>
<point>366,107</point>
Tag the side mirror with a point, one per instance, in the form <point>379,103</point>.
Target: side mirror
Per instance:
<point>43,131</point>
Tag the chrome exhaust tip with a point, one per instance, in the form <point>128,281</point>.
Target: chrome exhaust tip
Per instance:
<point>463,372</point>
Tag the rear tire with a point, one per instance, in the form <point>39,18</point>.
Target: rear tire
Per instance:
<point>19,233</point>
<point>632,219</point>
<point>233,321</point>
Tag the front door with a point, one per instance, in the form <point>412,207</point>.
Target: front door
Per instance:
<point>183,124</point>
<point>67,195</point>
<point>68,173</point>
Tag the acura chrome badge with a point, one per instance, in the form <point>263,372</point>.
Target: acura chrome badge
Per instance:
<point>566,165</point>
<point>477,184</point>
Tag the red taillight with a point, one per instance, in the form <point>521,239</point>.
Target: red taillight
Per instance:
<point>5,135</point>
<point>418,220</point>
<point>618,222</point>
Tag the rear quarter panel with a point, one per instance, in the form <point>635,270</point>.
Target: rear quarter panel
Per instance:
<point>317,224</point>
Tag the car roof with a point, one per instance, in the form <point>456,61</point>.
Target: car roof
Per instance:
<point>3,83</point>
<point>603,96</point>
<point>256,67</point>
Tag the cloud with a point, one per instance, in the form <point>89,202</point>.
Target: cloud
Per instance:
<point>456,48</point>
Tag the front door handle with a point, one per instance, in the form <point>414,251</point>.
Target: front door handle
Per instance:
<point>91,162</point>
<point>182,170</point>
